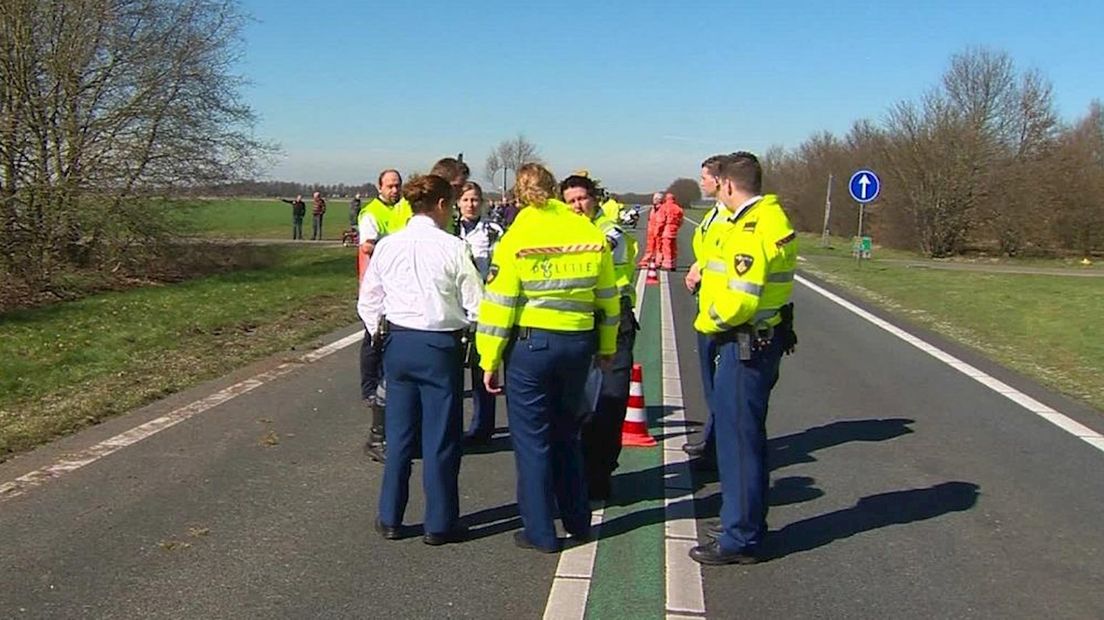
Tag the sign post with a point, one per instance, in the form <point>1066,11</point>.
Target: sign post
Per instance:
<point>864,187</point>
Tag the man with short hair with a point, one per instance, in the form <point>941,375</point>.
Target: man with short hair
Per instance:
<point>655,227</point>
<point>744,306</point>
<point>298,212</point>
<point>708,232</point>
<point>318,211</point>
<point>456,172</point>
<point>383,215</point>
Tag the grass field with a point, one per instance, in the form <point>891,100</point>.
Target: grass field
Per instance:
<point>247,218</point>
<point>69,365</point>
<point>1043,326</point>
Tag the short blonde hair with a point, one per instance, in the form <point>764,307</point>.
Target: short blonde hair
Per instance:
<point>534,184</point>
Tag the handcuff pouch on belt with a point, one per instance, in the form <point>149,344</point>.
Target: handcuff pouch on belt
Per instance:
<point>467,347</point>
<point>748,339</point>
<point>382,329</point>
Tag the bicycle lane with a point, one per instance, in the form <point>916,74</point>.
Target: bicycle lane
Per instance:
<point>641,568</point>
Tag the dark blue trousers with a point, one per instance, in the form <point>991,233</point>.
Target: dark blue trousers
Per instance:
<point>707,356</point>
<point>483,406</point>
<point>545,376</point>
<point>601,434</point>
<point>741,391</point>
<point>424,374</point>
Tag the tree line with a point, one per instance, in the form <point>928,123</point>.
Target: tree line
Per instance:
<point>980,163</point>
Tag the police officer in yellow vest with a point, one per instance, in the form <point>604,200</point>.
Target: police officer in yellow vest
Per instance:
<point>383,215</point>
<point>711,228</point>
<point>551,304</point>
<point>744,305</point>
<point>601,434</point>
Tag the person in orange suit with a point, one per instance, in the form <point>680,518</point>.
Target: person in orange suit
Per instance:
<point>655,227</point>
<point>672,221</point>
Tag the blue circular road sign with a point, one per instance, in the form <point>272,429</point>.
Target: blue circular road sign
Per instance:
<point>864,186</point>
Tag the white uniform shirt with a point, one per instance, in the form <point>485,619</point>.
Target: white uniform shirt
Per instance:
<point>481,239</point>
<point>420,278</point>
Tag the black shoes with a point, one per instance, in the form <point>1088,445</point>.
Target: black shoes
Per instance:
<point>376,450</point>
<point>395,533</point>
<point>711,554</point>
<point>455,535</point>
<point>475,441</point>
<point>390,533</point>
<point>694,448</point>
<point>521,541</point>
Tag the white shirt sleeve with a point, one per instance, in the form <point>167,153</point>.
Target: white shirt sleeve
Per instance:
<point>620,248</point>
<point>367,228</point>
<point>471,284</point>
<point>370,300</point>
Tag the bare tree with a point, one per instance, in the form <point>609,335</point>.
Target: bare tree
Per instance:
<point>685,191</point>
<point>104,103</point>
<point>510,155</point>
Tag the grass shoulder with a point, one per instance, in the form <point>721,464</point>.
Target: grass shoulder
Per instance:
<point>255,218</point>
<point>69,365</point>
<point>1043,326</point>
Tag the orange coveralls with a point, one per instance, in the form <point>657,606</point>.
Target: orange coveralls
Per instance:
<point>656,221</point>
<point>672,221</point>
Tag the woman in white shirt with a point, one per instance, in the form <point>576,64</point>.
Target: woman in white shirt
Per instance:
<point>423,281</point>
<point>481,235</point>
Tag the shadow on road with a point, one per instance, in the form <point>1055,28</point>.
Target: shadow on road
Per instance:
<point>870,513</point>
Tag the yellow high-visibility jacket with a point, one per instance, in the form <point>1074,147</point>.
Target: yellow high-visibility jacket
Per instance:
<point>551,270</point>
<point>748,275</point>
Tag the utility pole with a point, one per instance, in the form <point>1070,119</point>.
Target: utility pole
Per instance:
<point>827,212</point>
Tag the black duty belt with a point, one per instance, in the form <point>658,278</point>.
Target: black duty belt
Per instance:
<point>393,327</point>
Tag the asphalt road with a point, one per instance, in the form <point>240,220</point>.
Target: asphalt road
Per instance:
<point>900,488</point>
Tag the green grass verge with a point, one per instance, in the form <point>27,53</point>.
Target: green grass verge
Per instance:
<point>1042,326</point>
<point>248,218</point>
<point>69,365</point>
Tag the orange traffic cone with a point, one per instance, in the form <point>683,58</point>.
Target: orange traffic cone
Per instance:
<point>653,277</point>
<point>634,431</point>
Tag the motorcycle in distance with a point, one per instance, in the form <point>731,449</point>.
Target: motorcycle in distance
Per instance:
<point>630,216</point>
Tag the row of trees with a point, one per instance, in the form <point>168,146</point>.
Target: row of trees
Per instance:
<point>101,101</point>
<point>279,188</point>
<point>981,162</point>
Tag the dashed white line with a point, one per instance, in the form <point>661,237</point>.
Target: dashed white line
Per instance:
<point>98,451</point>
<point>1062,421</point>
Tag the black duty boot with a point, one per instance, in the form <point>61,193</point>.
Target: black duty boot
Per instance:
<point>376,448</point>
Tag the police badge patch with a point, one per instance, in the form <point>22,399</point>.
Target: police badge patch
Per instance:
<point>491,273</point>
<point>742,263</point>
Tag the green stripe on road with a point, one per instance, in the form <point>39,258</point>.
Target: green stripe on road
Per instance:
<point>628,579</point>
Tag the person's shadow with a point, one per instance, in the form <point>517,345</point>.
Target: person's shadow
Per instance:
<point>646,485</point>
<point>870,513</point>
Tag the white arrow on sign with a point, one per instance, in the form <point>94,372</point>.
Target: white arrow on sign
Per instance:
<point>864,181</point>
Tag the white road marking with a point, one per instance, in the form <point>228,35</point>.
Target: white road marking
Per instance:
<point>94,453</point>
<point>1062,421</point>
<point>684,592</point>
<point>567,600</point>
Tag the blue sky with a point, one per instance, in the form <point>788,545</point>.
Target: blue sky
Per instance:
<point>637,91</point>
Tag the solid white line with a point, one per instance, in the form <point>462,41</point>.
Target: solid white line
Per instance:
<point>567,599</point>
<point>684,591</point>
<point>1062,421</point>
<point>92,454</point>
